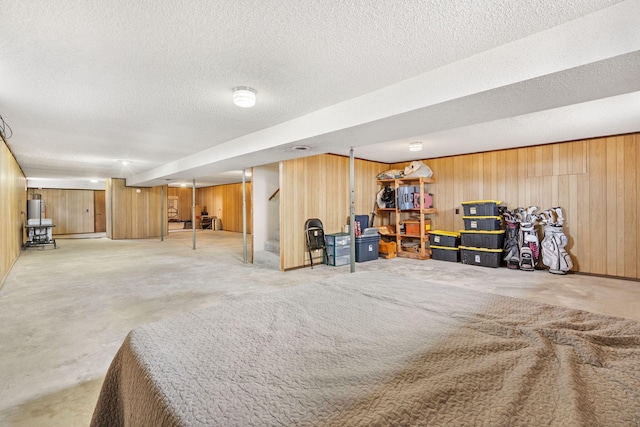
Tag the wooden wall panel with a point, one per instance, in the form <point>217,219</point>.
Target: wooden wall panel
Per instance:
<point>632,206</point>
<point>225,202</point>
<point>597,230</point>
<point>595,181</point>
<point>72,211</point>
<point>318,187</point>
<point>132,214</point>
<point>99,211</point>
<point>211,198</point>
<point>637,198</point>
<point>185,202</point>
<point>13,195</point>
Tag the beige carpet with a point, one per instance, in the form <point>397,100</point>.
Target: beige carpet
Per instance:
<point>64,313</point>
<point>359,350</point>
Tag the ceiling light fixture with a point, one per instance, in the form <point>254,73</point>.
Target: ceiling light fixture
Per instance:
<point>124,162</point>
<point>93,180</point>
<point>300,147</point>
<point>244,96</point>
<point>415,146</point>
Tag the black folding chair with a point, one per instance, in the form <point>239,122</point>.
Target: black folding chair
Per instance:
<point>315,238</point>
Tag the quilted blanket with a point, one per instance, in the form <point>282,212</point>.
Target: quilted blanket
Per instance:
<point>359,352</point>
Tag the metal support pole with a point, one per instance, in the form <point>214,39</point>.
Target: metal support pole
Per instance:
<point>162,211</point>
<point>352,210</point>
<point>244,216</point>
<point>193,214</point>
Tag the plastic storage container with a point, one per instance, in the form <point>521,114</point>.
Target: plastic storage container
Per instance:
<point>338,248</point>
<point>444,238</point>
<point>482,238</point>
<point>341,260</point>
<point>338,251</point>
<point>363,220</point>
<point>445,253</point>
<point>367,246</point>
<point>481,256</point>
<point>337,239</point>
<point>481,208</point>
<point>412,226</point>
<point>487,223</point>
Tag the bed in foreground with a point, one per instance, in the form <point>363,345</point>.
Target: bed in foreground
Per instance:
<point>353,351</point>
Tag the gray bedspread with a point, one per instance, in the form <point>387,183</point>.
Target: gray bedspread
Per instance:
<point>363,354</point>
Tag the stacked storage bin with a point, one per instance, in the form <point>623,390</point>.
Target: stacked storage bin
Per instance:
<point>368,245</point>
<point>482,238</point>
<point>444,245</point>
<point>338,248</point>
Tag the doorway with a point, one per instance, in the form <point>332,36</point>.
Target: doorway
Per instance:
<point>99,209</point>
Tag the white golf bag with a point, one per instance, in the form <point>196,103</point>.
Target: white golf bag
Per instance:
<point>554,255</point>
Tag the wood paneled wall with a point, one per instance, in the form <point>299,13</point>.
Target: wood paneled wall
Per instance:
<point>13,207</point>
<point>132,214</point>
<point>184,195</point>
<point>72,211</point>
<point>225,202</point>
<point>318,187</point>
<point>595,181</point>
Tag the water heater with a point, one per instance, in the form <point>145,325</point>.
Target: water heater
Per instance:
<point>35,209</point>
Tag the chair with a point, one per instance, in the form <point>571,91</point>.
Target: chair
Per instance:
<point>315,238</point>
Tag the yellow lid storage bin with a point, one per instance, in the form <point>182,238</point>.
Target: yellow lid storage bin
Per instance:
<point>482,238</point>
<point>486,223</point>
<point>481,256</point>
<point>481,208</point>
<point>444,238</point>
<point>445,253</point>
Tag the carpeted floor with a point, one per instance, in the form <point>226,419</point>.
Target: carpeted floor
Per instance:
<point>64,313</point>
<point>364,350</point>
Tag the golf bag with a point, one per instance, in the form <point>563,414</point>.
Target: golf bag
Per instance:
<point>529,246</point>
<point>554,255</point>
<point>511,243</point>
<point>528,239</point>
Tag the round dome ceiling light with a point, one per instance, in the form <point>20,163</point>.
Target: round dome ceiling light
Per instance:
<point>244,96</point>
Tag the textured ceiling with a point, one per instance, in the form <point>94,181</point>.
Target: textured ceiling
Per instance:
<point>86,83</point>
